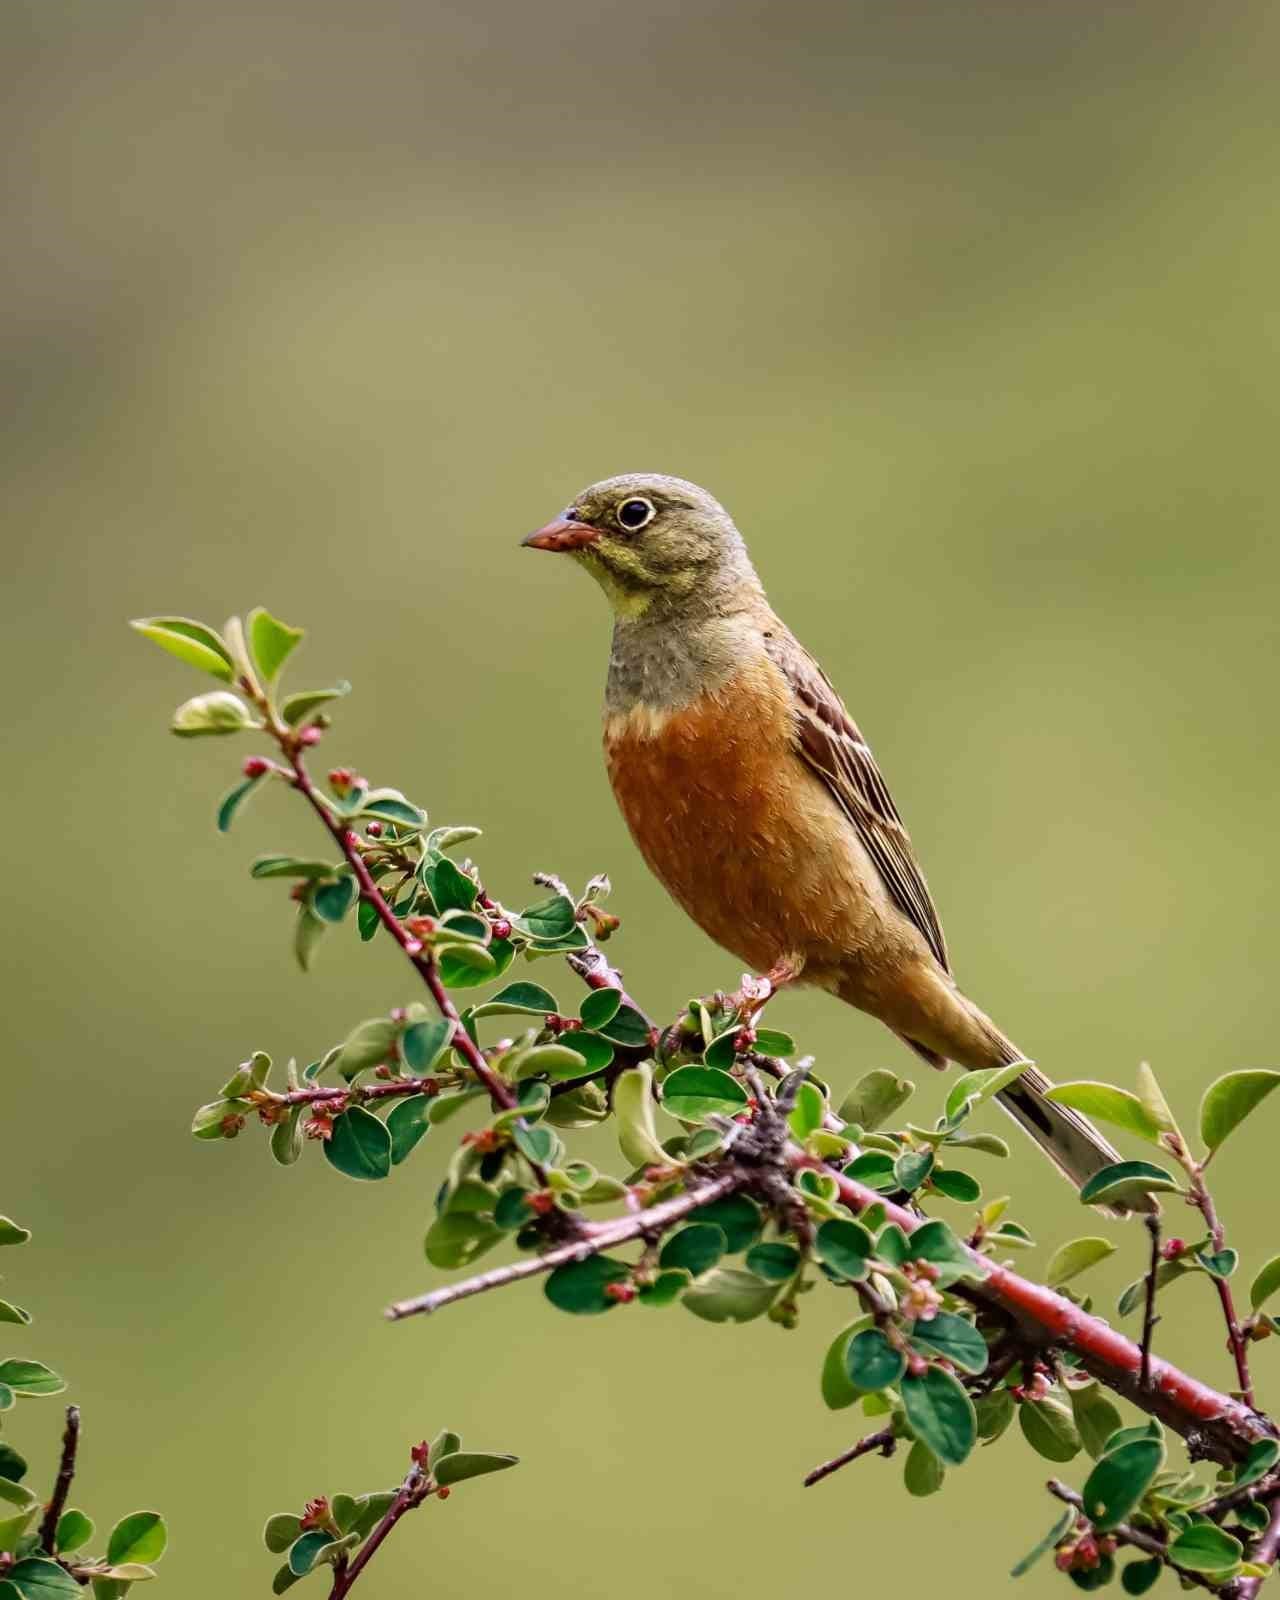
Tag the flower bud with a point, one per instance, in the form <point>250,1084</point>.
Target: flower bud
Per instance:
<point>255,766</point>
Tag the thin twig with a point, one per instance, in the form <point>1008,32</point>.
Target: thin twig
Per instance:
<point>596,1237</point>
<point>1236,1341</point>
<point>1264,1553</point>
<point>1152,1221</point>
<point>1136,1538</point>
<point>412,1492</point>
<point>884,1441</point>
<point>62,1487</point>
<point>423,961</point>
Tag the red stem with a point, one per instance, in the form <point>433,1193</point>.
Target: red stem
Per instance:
<point>1223,1427</point>
<point>412,1492</point>
<point>1236,1341</point>
<point>348,842</point>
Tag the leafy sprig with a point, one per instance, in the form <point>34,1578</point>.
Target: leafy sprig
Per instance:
<point>744,1182</point>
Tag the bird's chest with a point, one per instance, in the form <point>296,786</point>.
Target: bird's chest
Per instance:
<point>704,790</point>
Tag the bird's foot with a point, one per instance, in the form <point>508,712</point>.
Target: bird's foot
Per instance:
<point>755,993</point>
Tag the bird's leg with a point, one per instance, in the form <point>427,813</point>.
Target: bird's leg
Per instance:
<point>755,993</point>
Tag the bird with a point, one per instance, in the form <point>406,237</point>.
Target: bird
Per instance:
<point>754,798</point>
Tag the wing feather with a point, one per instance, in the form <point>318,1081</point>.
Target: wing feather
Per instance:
<point>832,745</point>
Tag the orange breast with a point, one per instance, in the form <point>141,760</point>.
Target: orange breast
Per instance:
<point>738,829</point>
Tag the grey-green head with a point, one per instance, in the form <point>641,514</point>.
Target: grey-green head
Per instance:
<point>653,543</point>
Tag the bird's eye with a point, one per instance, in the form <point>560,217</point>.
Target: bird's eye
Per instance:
<point>635,514</point>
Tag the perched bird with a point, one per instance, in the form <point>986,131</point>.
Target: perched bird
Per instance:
<point>755,799</point>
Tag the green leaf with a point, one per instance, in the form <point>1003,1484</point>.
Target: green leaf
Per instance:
<point>1204,1547</point>
<point>600,1007</point>
<point>594,1048</point>
<point>463,1464</point>
<point>305,1552</point>
<point>1096,1419</point>
<point>696,1248</point>
<point>737,1218</point>
<point>1219,1263</point>
<point>535,1144</point>
<point>11,1233</point>
<point>838,1389</point>
<point>846,1247</point>
<point>633,1110</point>
<point>1152,1096</point>
<point>451,888</point>
<point>469,1464</point>
<point>11,1313</point>
<point>1120,1479</point>
<point>911,1169</point>
<point>1108,1104</point>
<point>694,1093</point>
<point>283,1580</point>
<point>1264,1285</point>
<point>956,1185</point>
<point>871,1362</point>
<point>874,1169</point>
<point>517,998</point>
<point>139,1537</point>
<point>73,1532</point>
<point>389,805</point>
<point>1229,1101</point>
<point>458,1240</point>
<point>298,708</point>
<point>941,1414</point>
<point>936,1241</point>
<point>971,1089</point>
<point>1139,1576</point>
<point>281,1531</point>
<point>628,1028</point>
<point>665,1289</point>
<point>1125,1182</point>
<point>774,1262</point>
<point>874,1098</point>
<point>923,1473</point>
<point>218,713</point>
<point>730,1294</point>
<point>1049,1428</point>
<point>407,1125</point>
<point>332,901</point>
<point>772,1042</point>
<point>809,1111</point>
<point>270,641</point>
<point>30,1377</point>
<point>367,1045</point>
<point>231,802</point>
<point>1053,1537</point>
<point>423,1043</point>
<point>38,1579</point>
<point>13,1467</point>
<point>1263,1455</point>
<point>191,642</point>
<point>953,1338</point>
<point>360,1145</point>
<point>995,1413</point>
<point>548,920</point>
<point>1076,1256</point>
<point>580,1286</point>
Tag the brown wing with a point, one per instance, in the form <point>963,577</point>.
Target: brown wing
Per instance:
<point>829,740</point>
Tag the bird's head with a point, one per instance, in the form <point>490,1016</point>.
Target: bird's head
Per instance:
<point>651,540</point>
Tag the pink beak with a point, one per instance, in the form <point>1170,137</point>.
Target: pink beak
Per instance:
<point>562,534</point>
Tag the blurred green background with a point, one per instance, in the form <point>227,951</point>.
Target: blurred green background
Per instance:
<point>968,314</point>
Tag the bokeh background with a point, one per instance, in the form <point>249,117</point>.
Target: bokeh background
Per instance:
<point>968,313</point>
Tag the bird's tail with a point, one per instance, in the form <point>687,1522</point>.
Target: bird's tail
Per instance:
<point>1069,1140</point>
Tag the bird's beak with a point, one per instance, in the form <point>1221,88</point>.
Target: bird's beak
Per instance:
<point>562,534</point>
